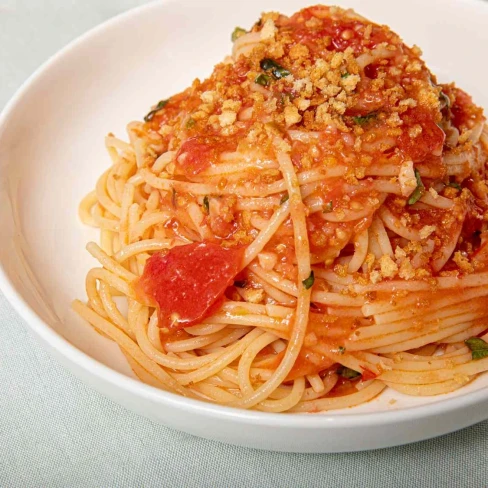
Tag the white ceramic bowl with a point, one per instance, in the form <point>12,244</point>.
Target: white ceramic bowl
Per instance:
<point>52,151</point>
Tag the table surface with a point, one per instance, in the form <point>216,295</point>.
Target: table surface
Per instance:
<point>55,432</point>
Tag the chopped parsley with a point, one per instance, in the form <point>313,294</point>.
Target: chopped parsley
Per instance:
<point>277,71</point>
<point>206,206</point>
<point>308,283</point>
<point>263,80</point>
<point>238,32</point>
<point>284,198</point>
<point>341,350</point>
<point>479,348</point>
<point>151,114</point>
<point>328,207</point>
<point>419,190</point>
<point>190,123</point>
<point>240,283</point>
<point>364,119</point>
<point>347,373</point>
<point>345,75</point>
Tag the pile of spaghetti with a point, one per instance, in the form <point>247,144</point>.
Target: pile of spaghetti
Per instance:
<point>302,229</point>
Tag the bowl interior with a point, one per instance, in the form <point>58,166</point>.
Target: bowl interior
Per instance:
<point>51,137</point>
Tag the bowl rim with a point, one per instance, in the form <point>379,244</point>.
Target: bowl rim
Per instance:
<point>137,388</point>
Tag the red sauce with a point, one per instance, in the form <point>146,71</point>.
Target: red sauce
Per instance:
<point>429,141</point>
<point>309,363</point>
<point>197,153</point>
<point>333,34</point>
<point>465,114</point>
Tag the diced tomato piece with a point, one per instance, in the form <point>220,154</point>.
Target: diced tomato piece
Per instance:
<point>187,283</point>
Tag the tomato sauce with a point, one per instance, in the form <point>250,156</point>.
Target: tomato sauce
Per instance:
<point>333,34</point>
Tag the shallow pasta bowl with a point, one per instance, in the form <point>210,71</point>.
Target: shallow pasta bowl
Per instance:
<point>52,151</point>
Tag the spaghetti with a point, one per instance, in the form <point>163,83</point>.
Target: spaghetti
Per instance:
<point>300,230</point>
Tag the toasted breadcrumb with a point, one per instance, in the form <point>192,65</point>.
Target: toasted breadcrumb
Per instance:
<point>426,231</point>
<point>389,268</point>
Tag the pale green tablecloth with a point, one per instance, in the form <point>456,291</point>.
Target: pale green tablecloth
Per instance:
<point>55,432</point>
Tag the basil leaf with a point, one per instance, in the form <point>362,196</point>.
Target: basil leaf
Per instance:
<point>263,80</point>
<point>419,190</point>
<point>284,198</point>
<point>308,283</point>
<point>348,373</point>
<point>206,206</point>
<point>268,64</point>
<point>238,32</point>
<point>479,354</point>
<point>161,104</point>
<point>364,119</point>
<point>277,70</point>
<point>478,347</point>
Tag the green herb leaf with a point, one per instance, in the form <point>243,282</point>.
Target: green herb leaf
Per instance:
<point>308,283</point>
<point>453,184</point>
<point>348,373</point>
<point>190,123</point>
<point>328,207</point>
<point>479,348</point>
<point>268,64</point>
<point>419,190</point>
<point>345,75</point>
<point>263,80</point>
<point>238,32</point>
<point>341,350</point>
<point>284,198</point>
<point>206,206</point>
<point>276,70</point>
<point>159,106</point>
<point>240,283</point>
<point>364,119</point>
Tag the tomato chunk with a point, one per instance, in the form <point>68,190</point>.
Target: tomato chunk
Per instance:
<point>188,282</point>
